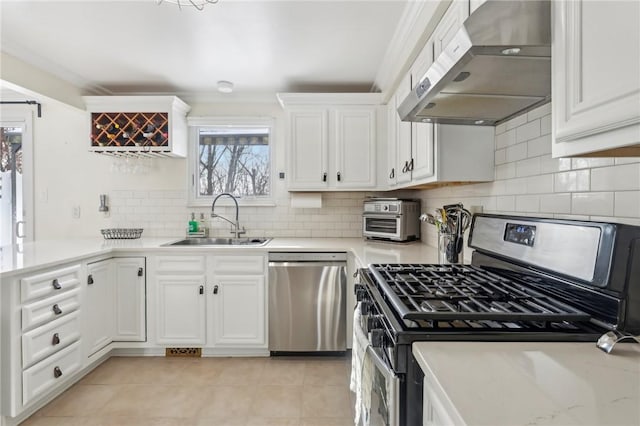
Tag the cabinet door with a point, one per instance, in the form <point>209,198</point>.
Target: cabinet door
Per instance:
<point>595,76</point>
<point>391,171</point>
<point>355,148</point>
<point>130,316</point>
<point>180,310</point>
<point>99,305</point>
<point>421,164</point>
<point>308,149</point>
<point>239,310</point>
<point>403,134</point>
<point>449,25</point>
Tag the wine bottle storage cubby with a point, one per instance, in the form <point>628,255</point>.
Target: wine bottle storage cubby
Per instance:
<point>129,129</point>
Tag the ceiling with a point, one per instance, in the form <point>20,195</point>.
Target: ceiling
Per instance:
<point>263,47</point>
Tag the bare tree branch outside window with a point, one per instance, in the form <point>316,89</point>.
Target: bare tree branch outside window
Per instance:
<point>234,160</point>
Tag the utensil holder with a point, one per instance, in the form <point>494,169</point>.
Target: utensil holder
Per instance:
<point>449,248</point>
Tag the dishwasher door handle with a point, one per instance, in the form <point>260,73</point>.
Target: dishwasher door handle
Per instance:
<point>305,264</point>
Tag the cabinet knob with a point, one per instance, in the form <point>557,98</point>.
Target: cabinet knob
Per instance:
<point>55,340</point>
<point>56,309</point>
<point>339,176</point>
<point>90,279</point>
<point>57,372</point>
<point>201,289</point>
<point>140,272</point>
<point>324,177</point>
<point>56,285</point>
<point>215,289</point>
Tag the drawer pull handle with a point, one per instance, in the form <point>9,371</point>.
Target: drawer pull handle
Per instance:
<point>55,340</point>
<point>201,289</point>
<point>90,279</point>
<point>57,372</point>
<point>56,309</point>
<point>140,272</point>
<point>215,289</point>
<point>56,285</point>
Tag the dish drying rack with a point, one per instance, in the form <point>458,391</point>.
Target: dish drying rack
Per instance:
<point>121,233</point>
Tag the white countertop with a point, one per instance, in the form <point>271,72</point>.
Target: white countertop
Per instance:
<point>532,383</point>
<point>31,256</point>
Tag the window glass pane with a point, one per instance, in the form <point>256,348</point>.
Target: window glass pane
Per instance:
<point>234,160</point>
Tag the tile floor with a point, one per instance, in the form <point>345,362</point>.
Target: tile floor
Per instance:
<point>207,391</point>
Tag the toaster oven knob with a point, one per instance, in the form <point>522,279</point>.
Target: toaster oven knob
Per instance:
<point>377,337</point>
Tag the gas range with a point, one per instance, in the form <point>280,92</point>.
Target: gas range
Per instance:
<point>530,279</point>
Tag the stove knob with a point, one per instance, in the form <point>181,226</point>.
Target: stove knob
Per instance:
<point>378,338</point>
<point>361,292</point>
<point>373,323</point>
<point>385,208</point>
<point>365,307</point>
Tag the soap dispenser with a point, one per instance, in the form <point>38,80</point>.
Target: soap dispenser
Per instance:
<point>193,225</point>
<point>202,227</point>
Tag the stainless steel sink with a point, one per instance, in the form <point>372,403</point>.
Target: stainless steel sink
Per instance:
<point>193,242</point>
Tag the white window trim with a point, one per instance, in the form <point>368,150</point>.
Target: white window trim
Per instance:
<point>194,124</point>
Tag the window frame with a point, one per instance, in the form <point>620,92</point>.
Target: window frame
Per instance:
<point>195,124</point>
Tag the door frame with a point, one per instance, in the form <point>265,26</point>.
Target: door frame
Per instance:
<point>15,116</point>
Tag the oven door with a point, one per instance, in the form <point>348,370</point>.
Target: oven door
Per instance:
<point>384,401</point>
<point>382,226</point>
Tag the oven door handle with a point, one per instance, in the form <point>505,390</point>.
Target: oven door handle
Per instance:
<point>381,364</point>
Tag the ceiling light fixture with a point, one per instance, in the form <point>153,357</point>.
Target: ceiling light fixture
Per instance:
<point>198,4</point>
<point>225,86</point>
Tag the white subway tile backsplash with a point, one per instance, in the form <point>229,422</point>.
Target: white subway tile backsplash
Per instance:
<point>516,122</point>
<point>555,203</point>
<point>501,128</point>
<point>618,178</point>
<point>516,186</point>
<point>627,204</point>
<point>539,146</point>
<point>505,171</point>
<point>506,203</point>
<point>516,152</point>
<point>545,125</point>
<point>627,160</point>
<point>588,163</point>
<point>500,156</point>
<point>593,203</point>
<point>528,131</point>
<point>539,184</point>
<point>506,139</point>
<point>528,167</point>
<point>539,112</point>
<point>571,181</point>
<point>552,165</point>
<point>528,203</point>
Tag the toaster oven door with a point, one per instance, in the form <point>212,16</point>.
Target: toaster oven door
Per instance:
<point>382,226</point>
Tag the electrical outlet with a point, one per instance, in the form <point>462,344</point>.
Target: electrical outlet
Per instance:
<point>76,212</point>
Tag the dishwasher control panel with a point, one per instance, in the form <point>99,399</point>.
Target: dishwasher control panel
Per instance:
<point>307,257</point>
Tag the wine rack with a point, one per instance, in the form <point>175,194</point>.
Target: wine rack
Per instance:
<point>137,126</point>
<point>120,129</point>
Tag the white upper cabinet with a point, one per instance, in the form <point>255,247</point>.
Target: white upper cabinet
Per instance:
<point>402,135</point>
<point>474,4</point>
<point>596,78</point>
<point>449,25</point>
<point>331,140</point>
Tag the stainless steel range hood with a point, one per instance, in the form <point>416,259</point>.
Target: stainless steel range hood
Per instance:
<point>497,66</point>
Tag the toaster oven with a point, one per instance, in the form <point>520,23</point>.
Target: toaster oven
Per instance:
<point>391,219</point>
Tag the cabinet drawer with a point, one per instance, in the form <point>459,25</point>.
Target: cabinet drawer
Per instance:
<point>43,341</point>
<point>47,283</point>
<point>42,311</point>
<point>184,264</point>
<point>238,264</point>
<point>47,374</point>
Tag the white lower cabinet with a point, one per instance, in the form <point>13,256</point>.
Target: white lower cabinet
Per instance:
<point>180,310</point>
<point>130,299</point>
<point>238,305</point>
<point>100,306</point>
<point>437,410</point>
<point>212,301</point>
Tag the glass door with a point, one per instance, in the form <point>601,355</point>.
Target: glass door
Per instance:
<point>15,209</point>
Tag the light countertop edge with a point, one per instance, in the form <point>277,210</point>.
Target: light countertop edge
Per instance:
<point>535,383</point>
<point>43,254</point>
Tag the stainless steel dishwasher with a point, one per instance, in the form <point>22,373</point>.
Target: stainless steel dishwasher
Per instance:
<point>307,301</point>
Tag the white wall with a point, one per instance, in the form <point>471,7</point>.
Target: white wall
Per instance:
<point>529,182</point>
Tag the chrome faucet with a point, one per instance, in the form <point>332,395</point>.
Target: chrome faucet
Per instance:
<point>236,226</point>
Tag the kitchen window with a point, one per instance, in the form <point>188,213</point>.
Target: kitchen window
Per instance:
<point>231,155</point>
